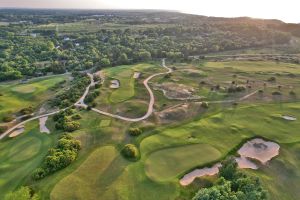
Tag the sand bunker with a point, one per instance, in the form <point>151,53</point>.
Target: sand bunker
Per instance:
<point>17,132</point>
<point>289,118</point>
<point>43,128</point>
<point>190,177</point>
<point>177,91</point>
<point>245,163</point>
<point>257,149</point>
<point>136,75</point>
<point>260,150</point>
<point>114,84</point>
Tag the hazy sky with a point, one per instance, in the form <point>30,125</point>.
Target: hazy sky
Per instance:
<point>286,10</point>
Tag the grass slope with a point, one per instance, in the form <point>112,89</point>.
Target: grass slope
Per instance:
<point>167,163</point>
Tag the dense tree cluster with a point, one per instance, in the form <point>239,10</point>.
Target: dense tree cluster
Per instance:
<point>38,51</point>
<point>72,94</point>
<point>65,120</point>
<point>233,185</point>
<point>59,157</point>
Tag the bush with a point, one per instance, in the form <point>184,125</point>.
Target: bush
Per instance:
<point>204,104</point>
<point>23,193</point>
<point>8,118</point>
<point>276,93</point>
<point>272,79</point>
<point>292,93</point>
<point>130,151</point>
<point>2,129</point>
<point>71,126</point>
<point>135,131</point>
<point>26,111</point>
<point>76,117</point>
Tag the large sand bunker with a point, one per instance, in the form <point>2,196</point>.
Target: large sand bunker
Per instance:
<point>260,150</point>
<point>257,149</point>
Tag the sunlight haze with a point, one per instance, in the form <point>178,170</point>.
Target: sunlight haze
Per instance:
<point>277,9</point>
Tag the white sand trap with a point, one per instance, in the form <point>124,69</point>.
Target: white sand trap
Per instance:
<point>190,177</point>
<point>136,75</point>
<point>289,118</point>
<point>114,84</point>
<point>17,132</point>
<point>245,163</point>
<point>260,150</point>
<point>43,128</point>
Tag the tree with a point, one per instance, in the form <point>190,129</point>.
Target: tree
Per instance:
<point>228,169</point>
<point>135,131</point>
<point>123,59</point>
<point>130,151</point>
<point>24,193</point>
<point>105,62</point>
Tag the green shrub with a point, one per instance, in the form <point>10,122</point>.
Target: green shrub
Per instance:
<point>130,151</point>
<point>26,111</point>
<point>204,104</point>
<point>135,131</point>
<point>8,118</point>
<point>2,129</point>
<point>276,93</point>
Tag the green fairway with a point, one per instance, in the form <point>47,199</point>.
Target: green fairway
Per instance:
<point>84,182</point>
<point>259,66</point>
<point>21,155</point>
<point>17,95</point>
<point>168,163</point>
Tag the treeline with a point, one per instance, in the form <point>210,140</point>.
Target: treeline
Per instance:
<point>61,156</point>
<point>67,120</point>
<point>25,54</point>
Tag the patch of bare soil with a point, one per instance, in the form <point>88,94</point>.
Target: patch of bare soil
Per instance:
<point>176,91</point>
<point>179,112</point>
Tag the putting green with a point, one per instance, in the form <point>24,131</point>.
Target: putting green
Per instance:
<point>25,89</point>
<point>168,163</point>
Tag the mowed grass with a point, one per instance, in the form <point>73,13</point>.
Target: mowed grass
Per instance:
<point>124,74</point>
<point>20,156</point>
<point>166,164</point>
<point>16,96</point>
<point>226,129</point>
<point>83,183</point>
<point>105,123</point>
<point>257,66</point>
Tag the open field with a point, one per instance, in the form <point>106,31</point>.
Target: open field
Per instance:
<point>16,96</point>
<point>170,150</point>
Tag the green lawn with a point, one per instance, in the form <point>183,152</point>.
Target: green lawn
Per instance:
<point>21,155</point>
<point>17,95</point>
<point>166,164</point>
